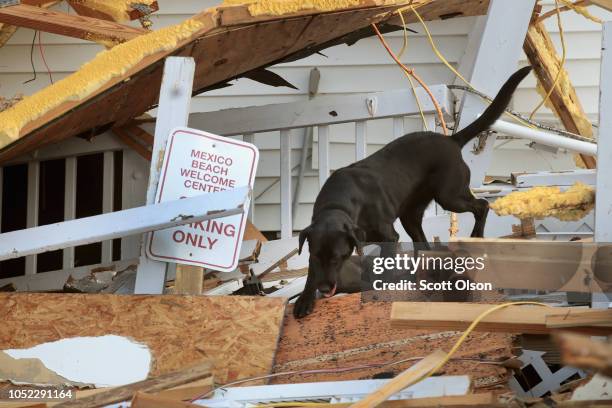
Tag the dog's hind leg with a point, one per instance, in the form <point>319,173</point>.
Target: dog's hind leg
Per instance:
<point>463,201</point>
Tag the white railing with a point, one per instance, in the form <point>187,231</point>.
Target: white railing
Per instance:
<point>134,171</point>
<point>321,112</point>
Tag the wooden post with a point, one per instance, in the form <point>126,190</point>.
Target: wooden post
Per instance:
<point>173,111</point>
<point>189,280</point>
<point>541,53</point>
<point>495,58</point>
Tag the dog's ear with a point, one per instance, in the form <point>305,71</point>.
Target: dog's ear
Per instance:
<point>357,237</point>
<point>303,236</point>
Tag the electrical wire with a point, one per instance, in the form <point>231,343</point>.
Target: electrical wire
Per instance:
<point>414,75</point>
<point>399,55</point>
<point>561,65</point>
<point>32,59</point>
<point>42,55</point>
<point>441,57</point>
<point>448,356</point>
<point>339,370</point>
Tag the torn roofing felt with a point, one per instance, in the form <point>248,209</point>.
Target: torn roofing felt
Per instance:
<point>226,43</point>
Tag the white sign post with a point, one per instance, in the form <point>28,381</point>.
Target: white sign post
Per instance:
<point>196,163</point>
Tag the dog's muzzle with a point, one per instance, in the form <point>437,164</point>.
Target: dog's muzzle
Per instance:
<point>327,290</point>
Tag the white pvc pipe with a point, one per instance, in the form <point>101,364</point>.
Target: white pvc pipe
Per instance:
<point>546,138</point>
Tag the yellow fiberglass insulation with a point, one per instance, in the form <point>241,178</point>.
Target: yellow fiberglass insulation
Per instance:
<point>117,9</point>
<point>280,7</point>
<point>92,76</point>
<point>539,202</point>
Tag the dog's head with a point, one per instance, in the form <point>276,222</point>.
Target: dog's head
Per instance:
<point>331,243</point>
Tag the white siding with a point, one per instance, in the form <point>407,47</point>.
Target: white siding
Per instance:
<point>363,67</point>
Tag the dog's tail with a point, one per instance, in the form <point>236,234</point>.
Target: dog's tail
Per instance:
<point>494,111</point>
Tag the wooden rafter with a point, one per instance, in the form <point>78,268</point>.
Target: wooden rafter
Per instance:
<point>70,25</point>
<point>89,11</point>
<point>7,30</point>
<point>541,53</point>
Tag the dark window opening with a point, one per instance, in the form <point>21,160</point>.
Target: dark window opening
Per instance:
<point>51,207</point>
<point>89,192</point>
<point>117,198</point>
<point>14,212</point>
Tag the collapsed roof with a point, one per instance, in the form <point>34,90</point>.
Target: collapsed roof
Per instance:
<point>226,42</point>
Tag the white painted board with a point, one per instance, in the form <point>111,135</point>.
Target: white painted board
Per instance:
<point>195,163</point>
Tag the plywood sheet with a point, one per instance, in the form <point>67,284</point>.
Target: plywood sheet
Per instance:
<point>344,332</point>
<point>238,334</point>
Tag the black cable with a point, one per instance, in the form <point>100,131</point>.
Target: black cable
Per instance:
<point>32,59</point>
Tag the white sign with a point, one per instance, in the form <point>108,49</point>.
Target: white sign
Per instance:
<point>195,163</point>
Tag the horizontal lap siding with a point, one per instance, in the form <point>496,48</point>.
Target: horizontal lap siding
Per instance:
<point>363,67</point>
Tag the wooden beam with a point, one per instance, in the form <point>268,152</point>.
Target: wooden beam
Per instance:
<point>564,101</point>
<point>458,316</point>
<point>90,10</point>
<point>134,144</point>
<point>580,317</point>
<point>411,376</point>
<point>70,25</point>
<point>160,383</point>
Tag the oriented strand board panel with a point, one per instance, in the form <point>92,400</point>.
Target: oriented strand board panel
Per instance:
<point>238,334</point>
<point>344,332</point>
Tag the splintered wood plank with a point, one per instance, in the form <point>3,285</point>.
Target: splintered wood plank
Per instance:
<point>6,32</point>
<point>564,101</point>
<point>91,11</point>
<point>221,54</point>
<point>252,233</point>
<point>528,319</point>
<point>585,352</point>
<point>403,380</point>
<point>56,22</point>
<point>156,384</point>
<point>346,332</point>
<point>580,317</point>
<point>237,334</point>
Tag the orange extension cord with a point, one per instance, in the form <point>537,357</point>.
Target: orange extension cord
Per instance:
<point>415,76</point>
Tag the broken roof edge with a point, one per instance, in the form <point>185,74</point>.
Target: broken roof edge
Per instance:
<point>89,80</point>
<point>94,77</point>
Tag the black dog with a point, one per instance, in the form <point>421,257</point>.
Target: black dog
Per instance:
<point>360,202</point>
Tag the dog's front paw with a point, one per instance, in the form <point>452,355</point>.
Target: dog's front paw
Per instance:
<point>303,306</point>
